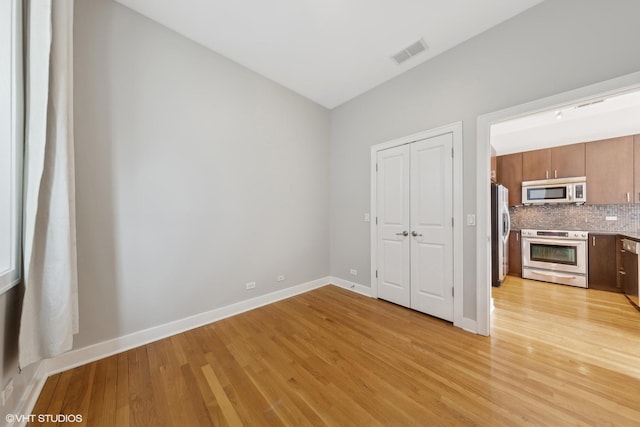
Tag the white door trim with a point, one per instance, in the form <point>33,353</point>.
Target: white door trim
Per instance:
<point>456,130</point>
<point>619,85</point>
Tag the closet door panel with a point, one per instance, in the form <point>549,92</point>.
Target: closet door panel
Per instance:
<point>393,225</point>
<point>431,226</point>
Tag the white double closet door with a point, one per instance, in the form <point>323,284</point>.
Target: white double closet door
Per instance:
<point>415,225</point>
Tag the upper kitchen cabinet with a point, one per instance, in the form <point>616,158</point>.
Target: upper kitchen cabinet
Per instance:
<point>609,171</point>
<point>566,161</point>
<point>636,169</point>
<point>510,175</point>
<point>536,164</point>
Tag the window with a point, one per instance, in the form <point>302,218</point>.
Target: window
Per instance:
<point>10,143</point>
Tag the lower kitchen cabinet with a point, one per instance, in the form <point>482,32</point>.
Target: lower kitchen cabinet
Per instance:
<point>602,262</point>
<point>515,254</point>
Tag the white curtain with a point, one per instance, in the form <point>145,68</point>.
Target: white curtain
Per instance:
<point>50,307</point>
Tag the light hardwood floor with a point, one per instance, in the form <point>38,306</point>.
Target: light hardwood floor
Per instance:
<point>557,356</point>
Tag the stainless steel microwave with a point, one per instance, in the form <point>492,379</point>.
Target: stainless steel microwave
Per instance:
<point>561,190</point>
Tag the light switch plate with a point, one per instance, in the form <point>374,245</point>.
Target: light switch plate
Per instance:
<point>471,219</point>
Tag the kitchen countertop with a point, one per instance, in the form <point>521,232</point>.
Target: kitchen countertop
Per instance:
<point>630,235</point>
<point>627,234</point>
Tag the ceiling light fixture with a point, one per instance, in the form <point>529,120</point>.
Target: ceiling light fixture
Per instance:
<point>558,115</point>
<point>587,104</point>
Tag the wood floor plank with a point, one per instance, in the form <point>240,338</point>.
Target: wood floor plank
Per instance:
<point>157,366</point>
<point>122,390</point>
<point>95,412</point>
<point>228,411</point>
<point>143,408</point>
<point>109,403</point>
<point>181,409</point>
<point>557,355</point>
<point>60,395</point>
<point>47,393</point>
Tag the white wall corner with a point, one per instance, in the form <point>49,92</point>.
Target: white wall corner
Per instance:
<point>351,286</point>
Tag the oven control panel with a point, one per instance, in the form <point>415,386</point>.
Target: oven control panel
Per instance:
<point>556,234</point>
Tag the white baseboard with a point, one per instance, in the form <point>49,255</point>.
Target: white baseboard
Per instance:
<point>30,396</point>
<point>104,349</point>
<point>351,286</point>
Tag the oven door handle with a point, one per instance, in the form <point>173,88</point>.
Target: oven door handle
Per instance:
<point>552,275</point>
<point>552,241</point>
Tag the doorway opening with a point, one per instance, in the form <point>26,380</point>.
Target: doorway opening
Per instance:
<point>551,120</point>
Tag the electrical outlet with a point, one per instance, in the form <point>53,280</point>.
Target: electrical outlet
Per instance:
<point>353,272</point>
<point>367,217</point>
<point>251,285</point>
<point>280,278</point>
<point>6,393</point>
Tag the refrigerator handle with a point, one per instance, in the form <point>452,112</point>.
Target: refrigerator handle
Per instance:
<point>507,223</point>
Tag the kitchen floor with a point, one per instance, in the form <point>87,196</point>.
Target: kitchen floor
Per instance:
<point>598,330</point>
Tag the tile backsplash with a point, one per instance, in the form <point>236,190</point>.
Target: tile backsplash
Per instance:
<point>572,217</point>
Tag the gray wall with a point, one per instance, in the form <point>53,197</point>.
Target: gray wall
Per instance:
<point>554,47</point>
<point>194,176</point>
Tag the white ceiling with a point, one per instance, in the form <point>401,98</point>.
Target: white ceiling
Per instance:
<point>328,50</point>
<point>614,116</point>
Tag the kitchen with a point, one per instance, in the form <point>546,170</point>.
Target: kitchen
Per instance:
<point>570,180</point>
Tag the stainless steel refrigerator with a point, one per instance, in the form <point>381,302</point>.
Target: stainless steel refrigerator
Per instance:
<point>500,228</point>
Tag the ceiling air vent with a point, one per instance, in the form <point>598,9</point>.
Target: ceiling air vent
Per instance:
<point>409,51</point>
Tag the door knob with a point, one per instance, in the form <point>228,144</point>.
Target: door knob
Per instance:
<point>415,234</point>
<point>404,233</point>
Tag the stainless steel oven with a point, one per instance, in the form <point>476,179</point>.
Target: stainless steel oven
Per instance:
<point>556,256</point>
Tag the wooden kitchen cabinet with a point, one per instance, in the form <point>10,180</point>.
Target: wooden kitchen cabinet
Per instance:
<point>609,171</point>
<point>602,262</point>
<point>619,263</point>
<point>510,175</point>
<point>566,161</point>
<point>536,164</point>
<point>636,168</point>
<point>515,254</point>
